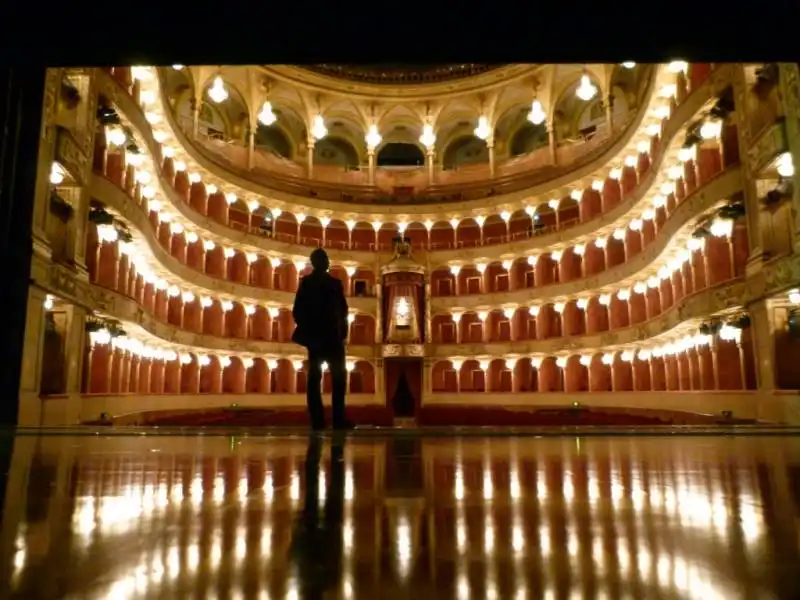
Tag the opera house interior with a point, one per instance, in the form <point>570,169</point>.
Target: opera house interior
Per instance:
<point>519,243</point>
<point>535,257</point>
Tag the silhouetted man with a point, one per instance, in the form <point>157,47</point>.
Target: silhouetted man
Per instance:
<point>320,312</point>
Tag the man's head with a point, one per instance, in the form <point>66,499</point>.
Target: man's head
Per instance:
<point>319,260</point>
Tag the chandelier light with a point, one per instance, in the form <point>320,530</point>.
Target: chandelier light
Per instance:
<point>116,136</point>
<point>730,334</point>
<point>686,154</point>
<point>267,116</point>
<point>662,112</point>
<point>711,129</point>
<point>785,165</point>
<point>217,91</point>
<point>678,66</point>
<point>586,90</point>
<point>668,91</point>
<point>56,174</point>
<point>721,227</point>
<point>318,129</point>
<point>537,114</point>
<point>428,138</point>
<point>373,137</point>
<point>483,131</point>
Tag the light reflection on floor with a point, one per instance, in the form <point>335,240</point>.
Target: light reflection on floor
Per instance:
<point>518,518</point>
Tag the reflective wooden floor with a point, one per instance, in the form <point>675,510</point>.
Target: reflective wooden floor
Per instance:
<point>401,517</point>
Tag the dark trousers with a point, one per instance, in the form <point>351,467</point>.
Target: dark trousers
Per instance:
<point>335,358</point>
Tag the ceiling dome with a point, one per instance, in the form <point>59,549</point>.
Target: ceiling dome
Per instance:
<point>398,74</point>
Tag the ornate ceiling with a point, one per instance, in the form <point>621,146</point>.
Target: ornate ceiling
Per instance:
<point>397,74</point>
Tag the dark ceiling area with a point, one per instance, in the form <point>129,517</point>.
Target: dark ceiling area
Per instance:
<point>393,74</point>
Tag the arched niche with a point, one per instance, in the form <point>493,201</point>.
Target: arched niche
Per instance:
<point>573,118</point>
<point>212,122</point>
<point>472,378</point>
<point>626,90</point>
<point>283,378</point>
<point>527,138</point>
<point>400,154</point>
<point>465,150</point>
<point>362,330</point>
<point>274,139</point>
<point>591,117</point>
<point>335,151</point>
<point>443,329</point>
<point>177,85</point>
<point>362,378</point>
<point>444,377</point>
<point>442,282</point>
<point>226,120</point>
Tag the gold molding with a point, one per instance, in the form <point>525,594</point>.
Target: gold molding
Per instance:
<point>319,83</point>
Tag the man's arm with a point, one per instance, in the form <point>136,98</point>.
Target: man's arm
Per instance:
<point>299,310</point>
<point>343,308</point>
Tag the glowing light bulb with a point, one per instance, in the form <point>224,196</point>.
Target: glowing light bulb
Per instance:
<point>785,165</point>
<point>217,92</point>
<point>116,136</point>
<point>428,137</point>
<point>56,174</point>
<point>537,115</point>
<point>678,66</point>
<point>711,129</point>
<point>483,130</point>
<point>586,90</point>
<point>267,116</point>
<point>318,129</point>
<point>373,137</point>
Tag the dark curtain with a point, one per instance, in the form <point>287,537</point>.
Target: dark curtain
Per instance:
<point>412,370</point>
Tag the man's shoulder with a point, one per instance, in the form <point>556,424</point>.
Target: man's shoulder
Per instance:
<point>325,280</point>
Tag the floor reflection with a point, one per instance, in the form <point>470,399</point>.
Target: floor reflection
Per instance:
<point>462,518</point>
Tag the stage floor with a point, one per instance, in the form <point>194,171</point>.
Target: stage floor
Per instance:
<point>381,514</point>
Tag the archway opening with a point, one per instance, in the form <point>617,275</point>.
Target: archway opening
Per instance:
<point>335,151</point>
<point>527,138</point>
<point>399,154</point>
<point>273,139</point>
<point>465,150</point>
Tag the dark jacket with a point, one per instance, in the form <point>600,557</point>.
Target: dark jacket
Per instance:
<point>320,312</point>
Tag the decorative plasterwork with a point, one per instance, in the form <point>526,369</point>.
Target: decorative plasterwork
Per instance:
<point>103,189</point>
<point>60,281</point>
<point>675,232</point>
<point>557,187</point>
<point>594,164</point>
<point>401,350</point>
<point>768,144</point>
<point>322,83</point>
<point>681,319</point>
<point>171,269</point>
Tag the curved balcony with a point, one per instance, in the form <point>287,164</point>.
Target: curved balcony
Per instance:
<point>587,210</point>
<point>653,254</point>
<point>188,265</point>
<point>286,177</point>
<point>679,318</point>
